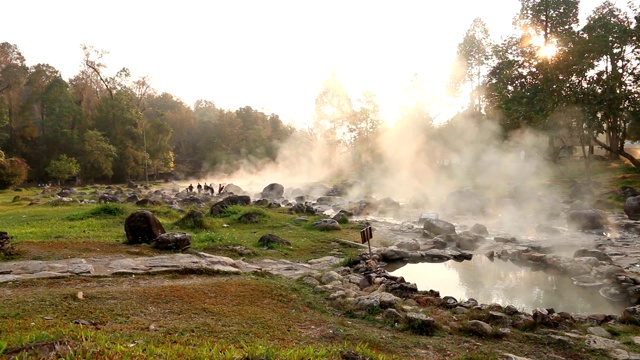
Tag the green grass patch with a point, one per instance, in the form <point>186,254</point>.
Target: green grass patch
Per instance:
<point>108,209</point>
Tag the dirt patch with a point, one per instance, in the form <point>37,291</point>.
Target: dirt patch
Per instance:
<point>57,250</point>
<point>44,350</point>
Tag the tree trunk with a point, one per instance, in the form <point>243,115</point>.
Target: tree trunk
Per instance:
<point>618,151</point>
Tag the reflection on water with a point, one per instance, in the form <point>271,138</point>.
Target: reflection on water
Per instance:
<point>505,283</point>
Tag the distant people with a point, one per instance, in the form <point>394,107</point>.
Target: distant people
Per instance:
<point>190,188</point>
<point>220,188</point>
<point>199,187</point>
<point>209,189</point>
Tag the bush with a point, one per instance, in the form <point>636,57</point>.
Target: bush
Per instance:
<point>13,172</point>
<point>193,220</point>
<point>245,214</point>
<point>107,209</point>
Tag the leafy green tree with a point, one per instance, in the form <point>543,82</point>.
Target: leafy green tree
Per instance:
<point>552,19</point>
<point>63,168</point>
<point>182,145</point>
<point>610,49</point>
<point>472,62</point>
<point>13,171</point>
<point>13,74</point>
<point>332,113</point>
<point>528,84</point>
<point>363,128</point>
<point>97,156</point>
<point>160,152</point>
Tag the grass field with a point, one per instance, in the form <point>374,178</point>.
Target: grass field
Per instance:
<point>196,316</point>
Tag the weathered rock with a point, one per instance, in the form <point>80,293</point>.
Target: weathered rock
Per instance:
<point>598,331</point>
<point>330,276</point>
<point>437,227</point>
<point>327,225</point>
<point>387,205</point>
<point>106,198</point>
<point>302,208</point>
<point>627,192</point>
<point>601,256</point>
<point>479,328</point>
<point>330,200</point>
<point>243,200</point>
<point>147,202</point>
<point>172,241</point>
<point>631,313</point>
<point>142,227</point>
<point>392,314</point>
<point>632,207</point>
<point>479,229</point>
<point>233,189</point>
<point>436,255</point>
<point>408,244</point>
<point>468,241</point>
<point>597,342</point>
<point>382,300</point>
<point>420,323</point>
<point>191,200</point>
<point>508,356</point>
<point>587,219</point>
<point>272,191</point>
<point>269,240</point>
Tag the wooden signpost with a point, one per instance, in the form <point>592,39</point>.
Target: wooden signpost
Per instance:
<point>366,235</point>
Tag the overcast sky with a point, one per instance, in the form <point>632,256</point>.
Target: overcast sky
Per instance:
<point>270,55</point>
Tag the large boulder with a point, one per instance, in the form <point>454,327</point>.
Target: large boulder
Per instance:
<point>217,208</point>
<point>627,192</point>
<point>437,227</point>
<point>272,191</point>
<point>632,207</point>
<point>142,227</point>
<point>592,219</point>
<point>468,241</point>
<point>234,189</point>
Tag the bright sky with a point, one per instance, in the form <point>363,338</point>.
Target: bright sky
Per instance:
<point>271,55</point>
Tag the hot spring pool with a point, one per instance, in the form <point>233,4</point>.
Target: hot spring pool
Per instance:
<point>505,283</point>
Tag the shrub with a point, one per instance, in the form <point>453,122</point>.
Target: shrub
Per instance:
<point>107,209</point>
<point>13,172</point>
<point>193,220</point>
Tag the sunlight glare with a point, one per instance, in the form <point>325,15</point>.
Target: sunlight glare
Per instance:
<point>546,49</point>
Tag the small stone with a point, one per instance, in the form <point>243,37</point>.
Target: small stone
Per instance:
<point>460,310</point>
<point>598,331</point>
<point>80,295</point>
<point>480,328</point>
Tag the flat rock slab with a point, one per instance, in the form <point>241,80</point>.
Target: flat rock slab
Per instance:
<point>290,269</point>
<point>104,266</point>
<point>194,262</point>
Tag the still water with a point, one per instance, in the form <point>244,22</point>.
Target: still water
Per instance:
<point>505,283</point>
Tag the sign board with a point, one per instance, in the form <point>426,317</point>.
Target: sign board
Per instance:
<point>366,234</point>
